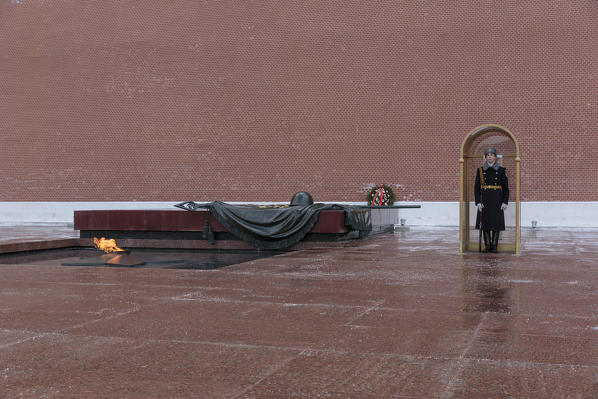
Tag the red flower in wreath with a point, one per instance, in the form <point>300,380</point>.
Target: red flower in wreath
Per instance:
<point>381,196</point>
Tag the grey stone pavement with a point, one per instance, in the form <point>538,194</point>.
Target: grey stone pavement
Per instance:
<point>398,315</point>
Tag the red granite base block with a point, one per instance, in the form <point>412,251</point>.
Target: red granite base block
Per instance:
<point>329,221</point>
<point>39,245</point>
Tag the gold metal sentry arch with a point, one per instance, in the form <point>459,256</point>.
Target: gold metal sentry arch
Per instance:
<point>465,156</point>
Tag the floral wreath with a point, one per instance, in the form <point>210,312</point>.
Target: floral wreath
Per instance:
<point>380,195</point>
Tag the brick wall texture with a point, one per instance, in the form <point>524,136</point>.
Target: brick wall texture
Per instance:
<point>255,100</point>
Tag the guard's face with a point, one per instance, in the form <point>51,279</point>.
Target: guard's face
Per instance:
<point>490,158</point>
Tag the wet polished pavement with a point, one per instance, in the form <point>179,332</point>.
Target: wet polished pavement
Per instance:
<point>399,315</point>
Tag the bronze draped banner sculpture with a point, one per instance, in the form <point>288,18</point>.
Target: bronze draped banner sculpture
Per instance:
<point>277,227</point>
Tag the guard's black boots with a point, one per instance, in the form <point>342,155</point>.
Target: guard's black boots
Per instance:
<point>487,241</point>
<point>495,235</point>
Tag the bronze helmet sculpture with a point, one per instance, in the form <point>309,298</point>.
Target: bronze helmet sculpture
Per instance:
<point>302,198</point>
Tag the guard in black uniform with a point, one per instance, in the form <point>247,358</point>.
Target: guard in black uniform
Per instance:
<point>491,197</point>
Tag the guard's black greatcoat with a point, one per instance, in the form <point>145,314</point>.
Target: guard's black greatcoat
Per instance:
<point>493,218</point>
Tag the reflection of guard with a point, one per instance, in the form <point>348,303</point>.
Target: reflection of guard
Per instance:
<point>491,197</point>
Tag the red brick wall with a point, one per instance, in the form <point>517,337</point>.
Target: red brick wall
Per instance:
<point>252,101</point>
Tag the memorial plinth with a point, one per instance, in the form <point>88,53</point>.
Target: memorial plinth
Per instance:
<point>176,228</point>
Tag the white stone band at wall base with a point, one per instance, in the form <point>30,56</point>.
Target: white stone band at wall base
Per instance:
<point>546,214</point>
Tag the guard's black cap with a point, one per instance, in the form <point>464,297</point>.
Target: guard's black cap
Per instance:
<point>490,150</point>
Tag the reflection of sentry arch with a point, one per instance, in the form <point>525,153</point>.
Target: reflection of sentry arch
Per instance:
<point>471,158</point>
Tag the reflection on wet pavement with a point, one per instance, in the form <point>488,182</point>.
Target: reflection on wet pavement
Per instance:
<point>148,258</point>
